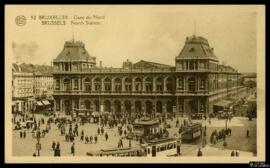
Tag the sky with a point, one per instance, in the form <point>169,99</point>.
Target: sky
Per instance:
<point>151,33</point>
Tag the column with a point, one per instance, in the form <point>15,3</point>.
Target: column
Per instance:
<point>164,85</point>
<point>102,85</point>
<point>80,102</point>
<point>123,84</point>
<point>122,107</point>
<point>92,85</point>
<point>61,105</point>
<point>133,85</point>
<point>154,103</point>
<point>164,110</point>
<point>113,86</point>
<point>154,85</point>
<point>143,106</point>
<point>132,106</point>
<point>143,85</point>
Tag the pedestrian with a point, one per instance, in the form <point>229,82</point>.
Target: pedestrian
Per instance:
<point>199,154</point>
<point>82,137</point>
<point>98,131</point>
<point>96,139</point>
<point>34,154</point>
<point>106,136</point>
<point>232,153</point>
<point>73,149</point>
<point>236,153</point>
<point>125,133</point>
<point>247,133</point>
<point>53,145</point>
<point>21,134</point>
<point>58,145</point>
<point>102,130</point>
<point>86,139</point>
<point>91,139</point>
<point>82,133</point>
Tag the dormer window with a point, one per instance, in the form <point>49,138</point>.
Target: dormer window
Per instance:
<point>192,49</point>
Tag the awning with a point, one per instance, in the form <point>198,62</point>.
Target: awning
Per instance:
<point>46,102</point>
<point>223,103</point>
<point>39,103</point>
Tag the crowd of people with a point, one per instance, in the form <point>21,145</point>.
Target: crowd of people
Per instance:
<point>72,130</point>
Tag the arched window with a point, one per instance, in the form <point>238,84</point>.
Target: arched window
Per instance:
<point>148,85</point>
<point>180,83</point>
<point>169,84</point>
<point>138,107</point>
<point>159,85</point>
<point>87,104</point>
<point>127,106</point>
<point>128,85</point>
<point>76,84</point>
<point>108,84</point>
<point>169,106</point>
<point>138,84</point>
<point>159,107</point>
<point>191,84</point>
<point>148,105</point>
<point>202,84</point>
<point>97,84</point>
<point>118,85</point>
<point>67,85</point>
<point>107,106</point>
<point>117,106</point>
<point>96,102</point>
<point>87,85</point>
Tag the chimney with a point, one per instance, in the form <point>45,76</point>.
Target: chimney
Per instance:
<point>100,64</point>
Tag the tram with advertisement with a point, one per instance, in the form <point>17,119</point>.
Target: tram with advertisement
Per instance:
<point>153,148</point>
<point>191,132</point>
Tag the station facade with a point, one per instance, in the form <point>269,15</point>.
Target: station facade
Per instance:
<point>193,85</point>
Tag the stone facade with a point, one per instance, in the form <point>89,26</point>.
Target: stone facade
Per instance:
<point>193,85</point>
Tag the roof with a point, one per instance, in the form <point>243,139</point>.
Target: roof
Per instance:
<point>223,103</point>
<point>161,140</point>
<point>197,47</point>
<point>37,70</point>
<point>146,122</point>
<point>148,64</point>
<point>74,51</point>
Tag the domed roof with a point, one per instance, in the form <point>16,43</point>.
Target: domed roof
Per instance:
<point>74,51</point>
<point>197,47</point>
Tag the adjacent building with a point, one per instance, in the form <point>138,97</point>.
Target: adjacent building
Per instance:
<point>193,85</point>
<point>30,85</point>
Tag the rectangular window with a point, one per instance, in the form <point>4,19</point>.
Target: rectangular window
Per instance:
<point>76,84</point>
<point>202,84</point>
<point>180,83</point>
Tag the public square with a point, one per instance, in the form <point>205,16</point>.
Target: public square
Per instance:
<point>237,141</point>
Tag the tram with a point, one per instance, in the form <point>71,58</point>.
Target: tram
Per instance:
<point>153,148</point>
<point>191,132</point>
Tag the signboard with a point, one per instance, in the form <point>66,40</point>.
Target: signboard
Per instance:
<point>196,134</point>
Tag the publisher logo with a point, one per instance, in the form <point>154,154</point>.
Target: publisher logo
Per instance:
<point>20,20</point>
